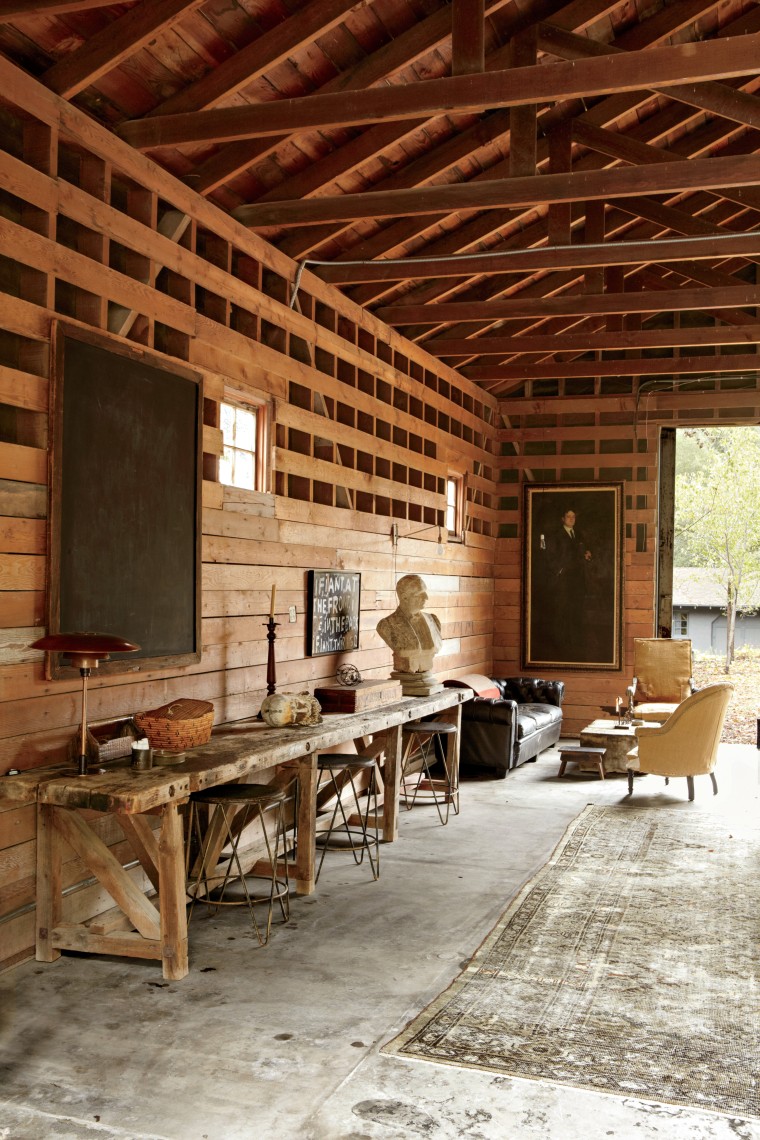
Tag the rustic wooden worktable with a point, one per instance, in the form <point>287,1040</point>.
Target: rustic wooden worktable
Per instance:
<point>236,751</point>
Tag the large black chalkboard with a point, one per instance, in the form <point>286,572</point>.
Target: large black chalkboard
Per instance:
<point>125,499</point>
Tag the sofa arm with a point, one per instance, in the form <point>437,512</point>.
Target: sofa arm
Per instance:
<point>489,734</point>
<point>532,690</point>
<point>490,710</point>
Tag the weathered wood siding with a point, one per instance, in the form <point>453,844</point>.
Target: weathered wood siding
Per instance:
<point>365,429</point>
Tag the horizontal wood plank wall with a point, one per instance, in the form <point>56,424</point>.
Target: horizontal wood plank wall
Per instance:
<point>609,433</point>
<point>366,429</point>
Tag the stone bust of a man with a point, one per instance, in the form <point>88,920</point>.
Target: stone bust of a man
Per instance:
<point>413,635</point>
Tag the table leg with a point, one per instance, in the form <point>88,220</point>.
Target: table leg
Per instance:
<point>452,754</point>
<point>307,824</point>
<point>172,898</point>
<point>48,883</point>
<point>391,782</point>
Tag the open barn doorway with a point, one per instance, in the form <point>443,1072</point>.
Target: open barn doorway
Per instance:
<point>708,581</point>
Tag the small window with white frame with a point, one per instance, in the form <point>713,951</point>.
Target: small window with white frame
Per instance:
<point>455,508</point>
<point>682,624</point>
<point>242,463</point>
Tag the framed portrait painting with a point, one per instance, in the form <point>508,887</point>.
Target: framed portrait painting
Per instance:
<point>572,576</point>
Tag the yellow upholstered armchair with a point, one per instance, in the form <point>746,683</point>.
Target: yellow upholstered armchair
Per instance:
<point>687,744</point>
<point>662,677</point>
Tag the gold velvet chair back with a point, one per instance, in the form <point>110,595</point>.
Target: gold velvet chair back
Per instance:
<point>662,677</point>
<point>687,743</point>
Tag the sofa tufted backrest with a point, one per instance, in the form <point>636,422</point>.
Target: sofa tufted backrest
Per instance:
<point>531,690</point>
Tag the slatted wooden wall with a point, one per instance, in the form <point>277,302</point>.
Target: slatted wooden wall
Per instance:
<point>599,431</point>
<point>366,428</point>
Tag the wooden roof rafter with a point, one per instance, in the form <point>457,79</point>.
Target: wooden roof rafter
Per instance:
<point>385,144</point>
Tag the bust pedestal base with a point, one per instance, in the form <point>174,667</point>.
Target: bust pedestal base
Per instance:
<point>417,684</point>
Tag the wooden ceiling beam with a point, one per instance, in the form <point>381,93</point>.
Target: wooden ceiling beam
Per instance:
<point>667,178</point>
<point>299,242</point>
<point>271,48</point>
<point>109,47</point>
<point>628,149</point>
<point>717,98</point>
<point>677,300</point>
<point>647,366</point>
<point>382,65</point>
<point>662,66</point>
<point>655,217</point>
<point>487,224</point>
<point>535,233</point>
<point>667,217</point>
<point>657,279</point>
<point>594,340</point>
<point>548,257</point>
<point>15,9</point>
<point>305,240</point>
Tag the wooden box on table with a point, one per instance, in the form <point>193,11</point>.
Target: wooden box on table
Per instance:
<point>358,698</point>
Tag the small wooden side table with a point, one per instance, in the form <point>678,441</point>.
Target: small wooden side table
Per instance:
<point>575,753</point>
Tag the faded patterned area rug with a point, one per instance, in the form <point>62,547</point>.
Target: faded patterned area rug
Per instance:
<point>629,965</point>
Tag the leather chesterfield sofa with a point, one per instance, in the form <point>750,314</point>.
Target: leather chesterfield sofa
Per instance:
<point>508,721</point>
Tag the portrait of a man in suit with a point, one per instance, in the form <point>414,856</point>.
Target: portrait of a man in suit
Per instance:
<point>573,576</point>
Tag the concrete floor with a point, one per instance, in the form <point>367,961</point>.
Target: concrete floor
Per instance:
<point>282,1043</point>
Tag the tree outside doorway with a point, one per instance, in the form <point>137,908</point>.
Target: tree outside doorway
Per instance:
<point>717,514</point>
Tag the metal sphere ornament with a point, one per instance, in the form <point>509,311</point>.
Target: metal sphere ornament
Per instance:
<point>348,675</point>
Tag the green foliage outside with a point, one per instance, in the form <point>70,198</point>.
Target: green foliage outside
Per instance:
<point>717,511</point>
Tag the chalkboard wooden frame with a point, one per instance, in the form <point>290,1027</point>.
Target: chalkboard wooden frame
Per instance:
<point>334,606</point>
<point>125,481</point>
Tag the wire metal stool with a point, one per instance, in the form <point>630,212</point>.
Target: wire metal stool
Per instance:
<point>217,864</point>
<point>423,785</point>
<point>350,828</point>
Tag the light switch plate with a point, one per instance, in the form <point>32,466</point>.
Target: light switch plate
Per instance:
<point>291,613</point>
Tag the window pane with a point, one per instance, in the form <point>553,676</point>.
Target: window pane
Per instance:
<point>237,466</point>
<point>225,467</point>
<point>245,430</point>
<point>243,469</point>
<point>227,420</point>
<point>454,488</point>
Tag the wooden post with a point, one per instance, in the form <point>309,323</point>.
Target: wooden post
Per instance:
<point>665,526</point>
<point>522,118</point>
<point>391,782</point>
<point>172,898</point>
<point>467,36</point>
<point>307,824</point>
<point>48,883</point>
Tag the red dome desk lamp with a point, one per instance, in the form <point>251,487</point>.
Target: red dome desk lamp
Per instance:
<point>85,651</point>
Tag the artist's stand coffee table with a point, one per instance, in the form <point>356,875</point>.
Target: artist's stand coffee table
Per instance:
<point>616,742</point>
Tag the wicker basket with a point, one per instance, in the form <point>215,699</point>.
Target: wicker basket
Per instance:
<point>179,725</point>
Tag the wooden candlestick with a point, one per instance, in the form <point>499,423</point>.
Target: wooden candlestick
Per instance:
<point>271,670</point>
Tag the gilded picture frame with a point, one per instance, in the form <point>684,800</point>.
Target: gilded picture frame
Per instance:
<point>572,576</point>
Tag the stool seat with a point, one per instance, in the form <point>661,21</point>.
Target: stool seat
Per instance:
<point>350,830</point>
<point>423,786</point>
<point>573,753</point>
<point>218,871</point>
<point>239,794</point>
<point>440,726</point>
<point>342,760</point>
